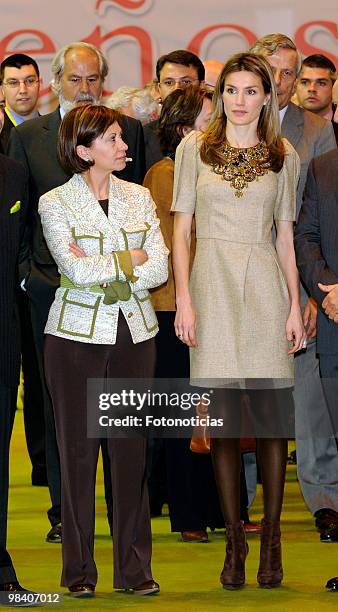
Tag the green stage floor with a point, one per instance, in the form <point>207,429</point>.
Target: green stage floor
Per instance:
<point>188,573</point>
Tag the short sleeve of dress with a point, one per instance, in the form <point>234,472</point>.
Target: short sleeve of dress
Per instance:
<point>285,206</point>
<point>186,174</point>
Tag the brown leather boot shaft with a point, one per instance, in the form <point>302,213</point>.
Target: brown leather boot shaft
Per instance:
<point>233,573</point>
<point>270,572</point>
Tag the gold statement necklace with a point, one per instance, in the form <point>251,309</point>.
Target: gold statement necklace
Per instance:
<point>242,166</point>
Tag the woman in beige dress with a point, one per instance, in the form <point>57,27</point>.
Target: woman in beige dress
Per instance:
<point>189,480</point>
<point>240,313</point>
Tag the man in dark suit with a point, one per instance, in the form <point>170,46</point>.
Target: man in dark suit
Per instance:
<point>178,69</point>
<point>20,83</point>
<point>13,184</point>
<point>316,243</point>
<point>79,71</point>
<point>311,135</point>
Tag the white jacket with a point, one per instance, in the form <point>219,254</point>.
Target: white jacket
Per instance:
<point>71,213</point>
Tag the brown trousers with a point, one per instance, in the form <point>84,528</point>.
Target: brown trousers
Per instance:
<point>68,364</point>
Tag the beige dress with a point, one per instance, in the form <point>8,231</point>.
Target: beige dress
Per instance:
<point>237,285</point>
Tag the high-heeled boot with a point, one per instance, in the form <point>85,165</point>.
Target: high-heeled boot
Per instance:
<point>233,573</point>
<point>270,572</point>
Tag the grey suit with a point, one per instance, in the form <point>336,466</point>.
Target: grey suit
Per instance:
<point>316,243</point>
<point>310,135</point>
<point>317,458</point>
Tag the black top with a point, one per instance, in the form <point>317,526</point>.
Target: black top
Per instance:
<point>104,206</point>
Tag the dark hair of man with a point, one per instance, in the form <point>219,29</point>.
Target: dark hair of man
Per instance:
<point>180,109</point>
<point>81,126</point>
<point>320,61</point>
<point>17,60</point>
<point>184,58</point>
<point>268,128</point>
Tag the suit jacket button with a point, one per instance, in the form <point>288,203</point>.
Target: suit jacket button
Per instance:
<point>130,314</point>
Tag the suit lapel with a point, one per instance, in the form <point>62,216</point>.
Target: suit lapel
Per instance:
<point>53,120</point>
<point>48,135</point>
<point>293,124</point>
<point>50,131</point>
<point>5,133</point>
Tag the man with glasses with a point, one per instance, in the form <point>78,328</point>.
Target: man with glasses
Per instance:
<point>20,84</point>
<point>317,458</point>
<point>79,70</point>
<point>175,70</point>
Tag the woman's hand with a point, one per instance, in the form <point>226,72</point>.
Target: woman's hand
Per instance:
<point>138,257</point>
<point>185,324</point>
<point>76,250</point>
<point>295,330</point>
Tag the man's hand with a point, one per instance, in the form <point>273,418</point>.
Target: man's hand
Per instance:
<point>330,302</point>
<point>310,318</point>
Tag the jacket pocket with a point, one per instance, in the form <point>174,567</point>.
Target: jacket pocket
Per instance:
<point>92,244</point>
<point>134,237</point>
<point>143,301</point>
<point>78,318</point>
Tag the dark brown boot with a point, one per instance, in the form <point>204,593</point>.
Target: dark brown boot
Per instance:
<point>233,573</point>
<point>270,572</point>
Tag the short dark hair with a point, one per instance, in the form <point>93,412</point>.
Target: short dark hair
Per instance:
<point>320,61</point>
<point>183,57</point>
<point>81,126</point>
<point>180,109</point>
<point>17,60</point>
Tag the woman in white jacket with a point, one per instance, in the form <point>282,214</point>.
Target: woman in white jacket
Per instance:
<point>105,237</point>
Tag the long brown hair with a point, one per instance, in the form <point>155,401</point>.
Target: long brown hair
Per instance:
<point>268,128</point>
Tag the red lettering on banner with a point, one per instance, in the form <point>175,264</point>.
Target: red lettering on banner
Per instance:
<point>128,4</point>
<point>47,46</point>
<point>139,35</point>
<point>196,42</point>
<point>307,49</point>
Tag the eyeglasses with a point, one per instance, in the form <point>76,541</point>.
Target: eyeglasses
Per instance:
<point>15,83</point>
<point>170,83</point>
